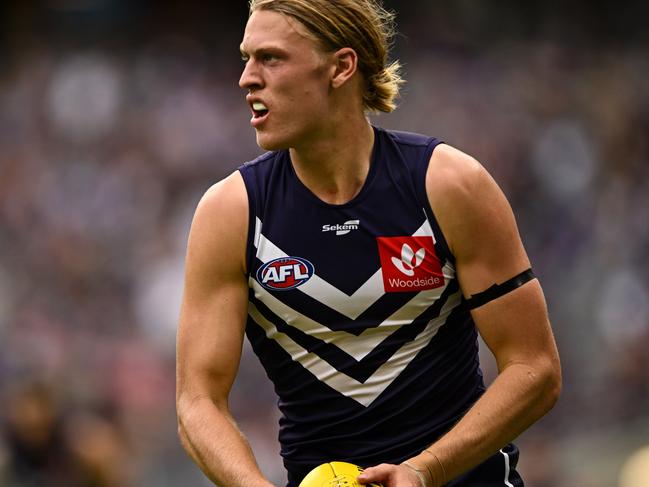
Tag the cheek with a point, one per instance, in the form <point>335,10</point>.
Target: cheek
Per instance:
<point>311,99</point>
<point>302,101</point>
<point>311,88</point>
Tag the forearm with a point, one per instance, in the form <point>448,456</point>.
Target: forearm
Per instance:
<point>212,439</point>
<point>519,396</point>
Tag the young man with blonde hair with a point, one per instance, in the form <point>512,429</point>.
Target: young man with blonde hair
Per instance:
<point>361,264</point>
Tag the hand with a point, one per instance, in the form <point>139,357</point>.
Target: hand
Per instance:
<point>392,476</point>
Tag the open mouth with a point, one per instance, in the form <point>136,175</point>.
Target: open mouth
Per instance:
<point>259,110</point>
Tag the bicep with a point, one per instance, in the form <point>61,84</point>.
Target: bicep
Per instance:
<point>481,231</point>
<point>210,337</point>
<point>213,313</point>
<point>516,328</point>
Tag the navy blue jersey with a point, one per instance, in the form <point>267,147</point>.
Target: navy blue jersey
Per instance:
<point>355,310</point>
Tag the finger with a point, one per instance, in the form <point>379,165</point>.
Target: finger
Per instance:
<point>374,474</point>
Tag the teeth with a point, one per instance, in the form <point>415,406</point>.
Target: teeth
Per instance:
<point>258,106</point>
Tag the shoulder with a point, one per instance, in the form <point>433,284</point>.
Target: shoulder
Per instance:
<point>464,197</point>
<point>228,196</point>
<point>454,174</point>
<point>220,225</point>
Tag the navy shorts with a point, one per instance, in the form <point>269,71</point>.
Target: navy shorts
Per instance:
<point>499,470</point>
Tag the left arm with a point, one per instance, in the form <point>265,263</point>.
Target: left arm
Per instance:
<point>481,230</point>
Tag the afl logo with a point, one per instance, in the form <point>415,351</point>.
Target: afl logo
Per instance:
<point>285,273</point>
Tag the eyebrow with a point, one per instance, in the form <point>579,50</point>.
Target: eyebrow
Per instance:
<point>273,49</point>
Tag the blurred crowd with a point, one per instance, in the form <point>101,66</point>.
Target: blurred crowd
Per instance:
<point>105,149</point>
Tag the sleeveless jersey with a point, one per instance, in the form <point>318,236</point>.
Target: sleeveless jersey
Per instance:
<point>355,310</point>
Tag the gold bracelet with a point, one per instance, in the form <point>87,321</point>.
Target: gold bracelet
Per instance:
<point>420,474</point>
<point>441,466</point>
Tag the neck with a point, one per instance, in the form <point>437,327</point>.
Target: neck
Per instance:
<point>335,165</point>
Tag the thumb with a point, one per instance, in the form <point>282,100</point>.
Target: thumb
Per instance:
<point>373,474</point>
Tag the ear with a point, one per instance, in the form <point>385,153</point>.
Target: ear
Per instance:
<point>345,65</point>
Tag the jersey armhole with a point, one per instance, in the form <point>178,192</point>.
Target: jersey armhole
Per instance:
<point>246,174</point>
<point>420,187</point>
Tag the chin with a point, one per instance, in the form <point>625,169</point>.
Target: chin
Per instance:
<point>270,143</point>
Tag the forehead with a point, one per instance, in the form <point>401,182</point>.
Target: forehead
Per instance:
<point>266,28</point>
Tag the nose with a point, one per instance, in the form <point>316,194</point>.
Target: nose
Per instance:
<point>250,77</point>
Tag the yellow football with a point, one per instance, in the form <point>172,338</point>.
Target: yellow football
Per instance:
<point>334,474</point>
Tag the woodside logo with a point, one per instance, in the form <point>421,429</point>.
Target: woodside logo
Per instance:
<point>409,264</point>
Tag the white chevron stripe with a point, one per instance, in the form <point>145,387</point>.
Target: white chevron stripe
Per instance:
<point>425,230</point>
<point>350,306</point>
<point>329,295</point>
<point>363,392</point>
<point>257,232</point>
<point>358,346</point>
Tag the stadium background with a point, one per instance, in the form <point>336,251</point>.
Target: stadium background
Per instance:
<point>115,117</point>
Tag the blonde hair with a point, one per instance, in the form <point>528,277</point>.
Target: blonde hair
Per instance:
<point>363,25</point>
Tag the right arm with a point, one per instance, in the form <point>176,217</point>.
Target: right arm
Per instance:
<point>210,336</point>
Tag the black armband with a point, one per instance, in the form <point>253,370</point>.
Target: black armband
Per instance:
<point>498,290</point>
